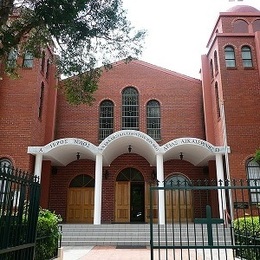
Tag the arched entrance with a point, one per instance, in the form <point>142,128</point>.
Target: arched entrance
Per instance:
<point>80,206</point>
<point>129,202</point>
<point>178,200</point>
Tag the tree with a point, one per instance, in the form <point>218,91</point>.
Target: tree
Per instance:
<point>257,155</point>
<point>89,34</point>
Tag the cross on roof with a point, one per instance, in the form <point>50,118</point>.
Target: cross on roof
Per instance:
<point>209,221</point>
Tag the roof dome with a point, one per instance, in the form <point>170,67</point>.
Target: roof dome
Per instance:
<point>243,9</point>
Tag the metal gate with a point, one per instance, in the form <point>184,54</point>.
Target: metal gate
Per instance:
<point>224,222</point>
<point>19,207</point>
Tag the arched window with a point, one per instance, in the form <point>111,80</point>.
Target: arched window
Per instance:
<point>177,180</point>
<point>5,163</point>
<point>130,174</point>
<point>5,185</point>
<point>154,119</point>
<point>43,62</point>
<point>130,109</point>
<point>230,57</point>
<point>240,26</point>
<point>253,176</point>
<point>211,69</point>
<point>247,57</point>
<point>82,181</point>
<point>28,60</point>
<point>216,61</point>
<point>41,101</point>
<point>217,99</point>
<point>256,25</point>
<point>12,58</point>
<point>48,68</point>
<point>106,119</point>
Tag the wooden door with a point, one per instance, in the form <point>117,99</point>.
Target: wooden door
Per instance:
<point>122,202</point>
<point>154,204</point>
<point>80,207</point>
<point>179,205</point>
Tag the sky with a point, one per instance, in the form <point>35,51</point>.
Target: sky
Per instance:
<point>178,30</point>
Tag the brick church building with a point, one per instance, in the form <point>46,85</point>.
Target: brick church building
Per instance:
<point>147,125</point>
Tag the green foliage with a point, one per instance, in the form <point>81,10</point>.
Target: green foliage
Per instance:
<point>248,225</point>
<point>47,234</point>
<point>247,232</point>
<point>88,34</point>
<point>257,155</point>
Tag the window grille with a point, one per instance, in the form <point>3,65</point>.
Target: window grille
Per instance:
<point>217,99</point>
<point>154,119</point>
<point>28,60</point>
<point>253,175</point>
<point>41,101</point>
<point>130,109</point>
<point>230,57</point>
<point>106,119</point>
<point>216,61</point>
<point>247,57</point>
<point>12,58</point>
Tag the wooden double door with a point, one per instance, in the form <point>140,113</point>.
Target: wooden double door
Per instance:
<point>80,207</point>
<point>130,202</point>
<point>179,207</point>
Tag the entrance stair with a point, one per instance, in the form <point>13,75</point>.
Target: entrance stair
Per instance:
<point>105,234</point>
<point>139,235</point>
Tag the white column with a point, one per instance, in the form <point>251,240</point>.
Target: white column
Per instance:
<point>98,190</point>
<point>38,166</point>
<point>160,178</point>
<point>222,204</point>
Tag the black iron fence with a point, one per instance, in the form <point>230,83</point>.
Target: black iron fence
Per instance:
<point>19,207</point>
<point>206,220</point>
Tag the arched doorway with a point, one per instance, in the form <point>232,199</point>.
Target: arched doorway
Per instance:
<point>129,202</point>
<point>80,206</point>
<point>178,201</point>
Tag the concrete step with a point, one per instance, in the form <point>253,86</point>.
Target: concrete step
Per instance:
<point>139,234</point>
<point>105,234</point>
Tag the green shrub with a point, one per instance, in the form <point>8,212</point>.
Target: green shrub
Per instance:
<point>47,235</point>
<point>247,232</point>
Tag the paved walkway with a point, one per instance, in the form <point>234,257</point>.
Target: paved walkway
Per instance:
<point>104,253</point>
<point>111,253</point>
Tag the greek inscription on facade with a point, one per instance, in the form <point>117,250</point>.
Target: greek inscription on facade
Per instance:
<point>81,142</point>
<point>58,143</point>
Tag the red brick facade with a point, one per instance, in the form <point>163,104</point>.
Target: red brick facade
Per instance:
<point>188,110</point>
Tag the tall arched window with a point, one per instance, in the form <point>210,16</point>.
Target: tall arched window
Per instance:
<point>5,163</point>
<point>247,57</point>
<point>130,109</point>
<point>216,61</point>
<point>41,101</point>
<point>5,185</point>
<point>12,58</point>
<point>211,69</point>
<point>43,61</point>
<point>28,60</point>
<point>230,57</point>
<point>48,68</point>
<point>217,99</point>
<point>153,119</point>
<point>253,176</point>
<point>106,119</point>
